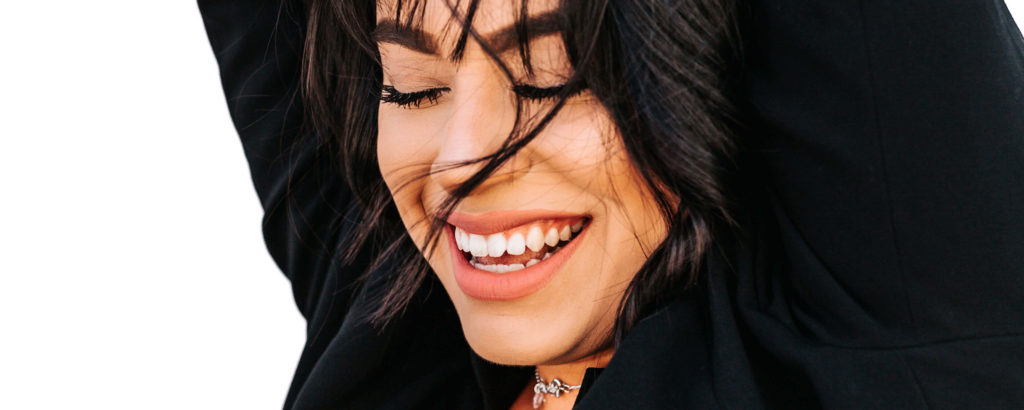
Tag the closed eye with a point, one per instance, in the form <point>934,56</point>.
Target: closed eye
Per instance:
<point>411,99</point>
<point>416,98</point>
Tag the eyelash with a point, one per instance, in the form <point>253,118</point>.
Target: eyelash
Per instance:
<point>414,99</point>
<point>407,100</point>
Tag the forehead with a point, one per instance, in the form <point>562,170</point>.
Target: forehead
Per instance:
<point>442,19</point>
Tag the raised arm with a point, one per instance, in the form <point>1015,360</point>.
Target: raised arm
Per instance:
<point>892,136</point>
<point>258,45</point>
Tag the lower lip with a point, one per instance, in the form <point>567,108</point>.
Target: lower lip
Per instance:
<point>484,285</point>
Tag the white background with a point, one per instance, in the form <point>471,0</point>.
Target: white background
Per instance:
<point>132,269</point>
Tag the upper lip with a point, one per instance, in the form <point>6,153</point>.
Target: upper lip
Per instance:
<point>499,221</point>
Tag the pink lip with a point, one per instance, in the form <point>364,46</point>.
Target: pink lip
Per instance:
<point>484,285</point>
<point>498,221</point>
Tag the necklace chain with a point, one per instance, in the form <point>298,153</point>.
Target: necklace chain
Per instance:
<point>555,387</point>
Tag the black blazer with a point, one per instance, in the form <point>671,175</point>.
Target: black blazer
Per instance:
<point>882,267</point>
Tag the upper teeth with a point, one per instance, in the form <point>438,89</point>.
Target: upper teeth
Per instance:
<point>476,245</point>
<point>535,239</point>
<point>497,244</point>
<point>516,244</point>
<point>552,237</point>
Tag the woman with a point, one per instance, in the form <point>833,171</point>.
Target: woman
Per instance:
<point>856,244</point>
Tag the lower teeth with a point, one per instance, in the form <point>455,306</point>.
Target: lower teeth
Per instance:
<point>500,268</point>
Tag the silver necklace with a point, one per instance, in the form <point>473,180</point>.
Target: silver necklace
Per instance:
<point>555,387</point>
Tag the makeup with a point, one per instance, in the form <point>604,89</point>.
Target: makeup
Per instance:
<point>499,283</point>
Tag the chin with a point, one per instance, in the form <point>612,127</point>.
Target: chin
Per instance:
<point>514,341</point>
<point>525,339</point>
<point>554,311</point>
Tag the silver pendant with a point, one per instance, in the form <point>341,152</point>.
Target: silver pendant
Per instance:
<point>555,387</point>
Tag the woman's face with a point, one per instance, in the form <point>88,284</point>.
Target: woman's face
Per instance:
<point>537,257</point>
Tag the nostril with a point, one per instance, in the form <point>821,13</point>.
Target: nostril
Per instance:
<point>452,174</point>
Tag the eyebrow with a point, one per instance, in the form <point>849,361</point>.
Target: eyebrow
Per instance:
<point>502,40</point>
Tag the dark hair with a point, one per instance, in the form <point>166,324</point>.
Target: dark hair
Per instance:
<point>661,68</point>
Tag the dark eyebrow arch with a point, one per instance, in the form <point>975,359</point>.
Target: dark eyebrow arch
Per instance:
<point>389,31</point>
<point>502,40</point>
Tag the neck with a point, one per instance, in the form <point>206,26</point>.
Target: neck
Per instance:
<point>572,373</point>
<point>569,373</point>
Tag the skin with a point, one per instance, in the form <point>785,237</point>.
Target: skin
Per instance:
<point>577,164</point>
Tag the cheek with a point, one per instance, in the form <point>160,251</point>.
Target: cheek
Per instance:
<point>404,153</point>
<point>587,149</point>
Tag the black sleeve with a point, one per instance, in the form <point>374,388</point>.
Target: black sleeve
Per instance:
<point>893,136</point>
<point>258,45</point>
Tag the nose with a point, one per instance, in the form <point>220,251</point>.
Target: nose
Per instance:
<point>482,117</point>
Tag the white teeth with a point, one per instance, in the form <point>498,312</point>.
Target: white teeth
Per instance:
<point>477,245</point>
<point>535,239</point>
<point>565,234</point>
<point>532,262</point>
<point>495,245</point>
<point>552,237</point>
<point>499,268</point>
<point>489,268</point>
<point>546,255</point>
<point>458,239</point>
<point>516,244</point>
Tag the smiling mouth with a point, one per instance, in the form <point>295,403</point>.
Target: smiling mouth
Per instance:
<point>520,247</point>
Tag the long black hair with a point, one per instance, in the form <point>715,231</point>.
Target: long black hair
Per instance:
<point>663,69</point>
